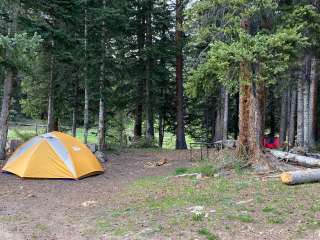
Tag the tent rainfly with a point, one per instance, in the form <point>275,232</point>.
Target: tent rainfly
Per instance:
<point>53,155</point>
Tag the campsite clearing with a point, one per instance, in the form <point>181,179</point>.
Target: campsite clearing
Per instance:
<point>134,199</point>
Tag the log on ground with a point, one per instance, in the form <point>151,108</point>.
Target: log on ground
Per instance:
<point>302,176</point>
<point>297,159</point>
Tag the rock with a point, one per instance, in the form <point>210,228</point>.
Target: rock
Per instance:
<point>12,145</point>
<point>89,203</point>
<point>93,147</point>
<point>244,202</point>
<point>101,156</point>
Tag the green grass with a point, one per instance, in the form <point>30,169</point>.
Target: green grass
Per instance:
<point>165,202</point>
<point>205,170</point>
<point>206,233</point>
<point>112,139</point>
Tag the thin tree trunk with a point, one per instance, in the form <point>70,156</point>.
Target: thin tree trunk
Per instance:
<point>101,129</point>
<point>225,116</point>
<point>140,86</point>
<point>10,77</point>
<point>5,110</point>
<point>148,107</point>
<point>306,101</point>
<point>300,112</point>
<point>74,110</point>
<point>180,131</point>
<point>292,120</point>
<point>218,123</point>
<point>74,122</point>
<point>50,124</point>
<point>86,85</point>
<point>313,102</point>
<point>138,123</point>
<point>162,114</point>
<point>283,116</point>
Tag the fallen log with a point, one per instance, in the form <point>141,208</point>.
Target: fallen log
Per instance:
<point>298,177</point>
<point>297,159</point>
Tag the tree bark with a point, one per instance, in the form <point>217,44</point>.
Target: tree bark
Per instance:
<point>86,85</point>
<point>50,124</point>
<point>180,131</point>
<point>283,116</point>
<point>5,110</point>
<point>252,104</point>
<point>101,128</point>
<point>138,123</point>
<point>300,112</point>
<point>138,113</point>
<point>225,116</point>
<point>292,120</point>
<point>250,115</point>
<point>306,102</point>
<point>74,109</point>
<point>302,176</point>
<point>313,102</point>
<point>10,77</point>
<point>221,125</point>
<point>297,159</point>
<point>148,106</point>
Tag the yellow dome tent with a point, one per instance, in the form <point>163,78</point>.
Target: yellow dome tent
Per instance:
<point>53,155</point>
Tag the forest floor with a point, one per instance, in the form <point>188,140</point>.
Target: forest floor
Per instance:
<point>134,199</point>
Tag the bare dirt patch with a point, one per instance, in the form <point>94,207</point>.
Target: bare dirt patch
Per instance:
<point>53,209</point>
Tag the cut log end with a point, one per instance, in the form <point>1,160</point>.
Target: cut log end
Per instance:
<point>286,178</point>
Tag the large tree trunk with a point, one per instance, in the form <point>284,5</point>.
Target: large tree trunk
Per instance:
<point>50,124</point>
<point>4,116</point>
<point>292,116</point>
<point>283,116</point>
<point>313,102</point>
<point>180,131</point>
<point>148,105</point>
<point>86,85</point>
<point>250,115</point>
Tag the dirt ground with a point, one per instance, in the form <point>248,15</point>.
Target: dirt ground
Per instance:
<point>130,202</point>
<point>52,209</point>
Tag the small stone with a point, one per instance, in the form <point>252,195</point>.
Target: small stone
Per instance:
<point>89,203</point>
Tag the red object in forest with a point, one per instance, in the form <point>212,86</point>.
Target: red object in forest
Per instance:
<point>271,142</point>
